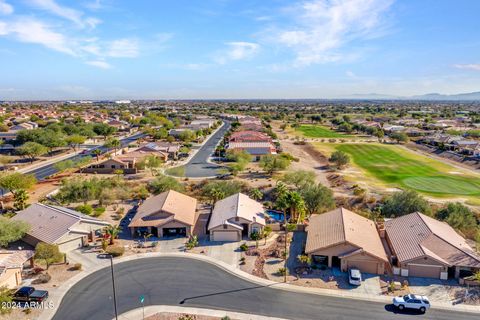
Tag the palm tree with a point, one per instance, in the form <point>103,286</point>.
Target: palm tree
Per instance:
<point>256,194</point>
<point>281,189</point>
<point>112,232</point>
<point>97,153</point>
<point>113,143</point>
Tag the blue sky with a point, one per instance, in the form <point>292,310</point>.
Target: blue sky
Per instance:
<point>112,49</point>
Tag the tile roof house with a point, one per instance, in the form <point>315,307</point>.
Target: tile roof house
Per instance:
<point>256,149</point>
<point>344,239</point>
<point>170,213</point>
<point>169,148</point>
<point>425,247</point>
<point>11,266</point>
<point>234,217</point>
<point>249,136</point>
<point>67,228</point>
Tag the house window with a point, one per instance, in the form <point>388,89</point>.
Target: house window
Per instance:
<point>237,219</point>
<point>225,226</point>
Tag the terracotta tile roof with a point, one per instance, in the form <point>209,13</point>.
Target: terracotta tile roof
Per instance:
<point>416,235</point>
<point>344,226</point>
<point>167,206</point>
<point>237,205</point>
<point>50,223</point>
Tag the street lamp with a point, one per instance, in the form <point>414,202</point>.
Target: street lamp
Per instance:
<point>113,287</point>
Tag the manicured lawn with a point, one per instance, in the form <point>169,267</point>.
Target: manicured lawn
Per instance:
<point>315,131</point>
<point>400,167</point>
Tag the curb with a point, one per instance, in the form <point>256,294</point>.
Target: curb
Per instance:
<point>57,295</point>
<point>152,310</point>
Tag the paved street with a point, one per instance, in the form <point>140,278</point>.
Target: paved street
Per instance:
<point>47,170</point>
<point>199,166</point>
<point>193,283</point>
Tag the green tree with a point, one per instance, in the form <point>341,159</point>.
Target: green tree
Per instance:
<point>272,163</point>
<point>48,253</point>
<point>217,190</point>
<point>256,194</point>
<point>164,183</point>
<point>112,144</point>
<point>51,139</point>
<point>97,152</point>
<point>405,202</point>
<point>399,137</point>
<point>20,198</point>
<point>318,198</point>
<point>459,217</point>
<point>75,140</point>
<point>187,135</point>
<point>292,202</point>
<point>112,232</point>
<point>103,129</point>
<point>16,181</point>
<point>11,230</point>
<point>299,178</point>
<point>340,159</point>
<point>6,297</point>
<point>151,162</point>
<point>31,150</point>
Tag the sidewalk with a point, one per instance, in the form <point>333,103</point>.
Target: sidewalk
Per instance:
<point>153,310</point>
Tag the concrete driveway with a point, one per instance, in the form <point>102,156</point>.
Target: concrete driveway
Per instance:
<point>227,252</point>
<point>370,285</point>
<point>434,289</point>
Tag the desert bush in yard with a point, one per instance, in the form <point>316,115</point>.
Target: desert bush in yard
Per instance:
<point>192,243</point>
<point>282,271</point>
<point>340,159</point>
<point>48,253</point>
<point>186,317</point>
<point>304,259</point>
<point>405,202</point>
<point>6,296</point>
<point>116,251</point>
<point>42,278</point>
<point>77,266</point>
<point>226,318</point>
<point>243,247</point>
<point>98,211</point>
<point>85,209</point>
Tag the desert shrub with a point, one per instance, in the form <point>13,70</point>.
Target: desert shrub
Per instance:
<point>77,266</point>
<point>42,278</point>
<point>243,247</point>
<point>115,251</point>
<point>85,209</point>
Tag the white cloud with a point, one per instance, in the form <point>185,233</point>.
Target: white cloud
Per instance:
<point>471,66</point>
<point>237,50</point>
<point>34,31</point>
<point>123,48</point>
<point>323,27</point>
<point>73,15</point>
<point>99,64</point>
<point>5,8</point>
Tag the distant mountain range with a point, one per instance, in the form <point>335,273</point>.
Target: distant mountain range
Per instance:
<point>470,96</point>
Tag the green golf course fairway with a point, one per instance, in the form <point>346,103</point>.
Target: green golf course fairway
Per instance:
<point>315,131</point>
<point>395,165</point>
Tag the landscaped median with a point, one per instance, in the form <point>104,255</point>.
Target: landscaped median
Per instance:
<point>57,295</point>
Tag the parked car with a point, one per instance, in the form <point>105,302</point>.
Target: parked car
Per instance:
<point>354,277</point>
<point>412,301</point>
<point>29,294</point>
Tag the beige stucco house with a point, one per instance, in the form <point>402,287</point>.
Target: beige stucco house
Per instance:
<point>11,266</point>
<point>234,217</point>
<point>170,213</point>
<point>69,229</point>
<point>425,247</point>
<point>341,238</point>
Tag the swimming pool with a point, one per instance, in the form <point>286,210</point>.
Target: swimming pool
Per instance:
<point>276,215</point>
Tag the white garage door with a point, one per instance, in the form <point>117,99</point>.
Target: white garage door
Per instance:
<point>70,245</point>
<point>225,236</point>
